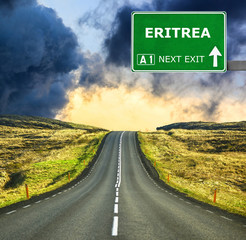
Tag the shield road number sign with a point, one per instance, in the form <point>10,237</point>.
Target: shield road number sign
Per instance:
<point>178,42</point>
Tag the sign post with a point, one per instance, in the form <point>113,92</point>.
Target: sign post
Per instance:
<point>179,42</point>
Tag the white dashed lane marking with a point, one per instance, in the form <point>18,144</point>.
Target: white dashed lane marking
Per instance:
<point>27,206</point>
<point>115,226</point>
<point>11,212</point>
<point>226,218</point>
<point>117,187</point>
<point>116,208</point>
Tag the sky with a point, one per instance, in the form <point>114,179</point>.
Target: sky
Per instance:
<point>70,60</point>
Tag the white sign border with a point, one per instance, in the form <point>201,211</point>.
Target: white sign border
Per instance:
<point>180,12</point>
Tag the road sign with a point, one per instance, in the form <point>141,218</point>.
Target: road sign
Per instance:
<point>179,42</point>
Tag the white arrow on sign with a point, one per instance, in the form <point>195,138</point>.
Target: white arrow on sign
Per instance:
<point>215,53</point>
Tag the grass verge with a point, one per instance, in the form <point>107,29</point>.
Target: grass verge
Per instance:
<point>42,155</point>
<point>199,161</point>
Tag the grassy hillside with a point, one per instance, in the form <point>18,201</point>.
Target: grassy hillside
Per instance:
<point>199,161</point>
<point>42,123</point>
<point>40,152</point>
<point>240,126</point>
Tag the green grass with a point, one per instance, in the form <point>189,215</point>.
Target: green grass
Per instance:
<point>199,161</point>
<point>240,126</point>
<point>41,152</point>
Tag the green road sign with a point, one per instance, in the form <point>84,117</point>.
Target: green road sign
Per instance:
<point>179,41</point>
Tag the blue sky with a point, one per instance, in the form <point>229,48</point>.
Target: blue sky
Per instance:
<point>72,10</point>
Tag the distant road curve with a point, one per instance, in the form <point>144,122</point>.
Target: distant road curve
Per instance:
<point>118,200</point>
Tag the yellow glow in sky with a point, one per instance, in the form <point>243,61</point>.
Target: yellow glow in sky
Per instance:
<point>136,109</point>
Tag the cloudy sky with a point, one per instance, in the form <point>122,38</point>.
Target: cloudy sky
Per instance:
<point>70,59</point>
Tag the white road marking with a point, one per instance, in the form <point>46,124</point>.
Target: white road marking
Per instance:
<point>60,193</point>
<point>226,218</point>
<point>188,202</point>
<point>47,198</point>
<point>116,208</point>
<point>11,212</point>
<point>209,211</point>
<point>117,186</point>
<point>115,226</point>
<point>27,206</point>
<point>54,195</point>
<point>119,161</point>
<point>38,201</point>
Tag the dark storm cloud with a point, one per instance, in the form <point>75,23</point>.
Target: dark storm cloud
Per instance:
<point>118,42</point>
<point>98,18</point>
<point>37,54</point>
<point>236,19</point>
<point>92,70</point>
<point>235,9</point>
<point>13,3</point>
<point>118,50</point>
<point>210,108</point>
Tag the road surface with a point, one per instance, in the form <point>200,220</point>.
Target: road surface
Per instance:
<point>118,200</point>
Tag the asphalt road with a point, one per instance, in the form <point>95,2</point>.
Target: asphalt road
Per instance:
<point>118,200</point>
